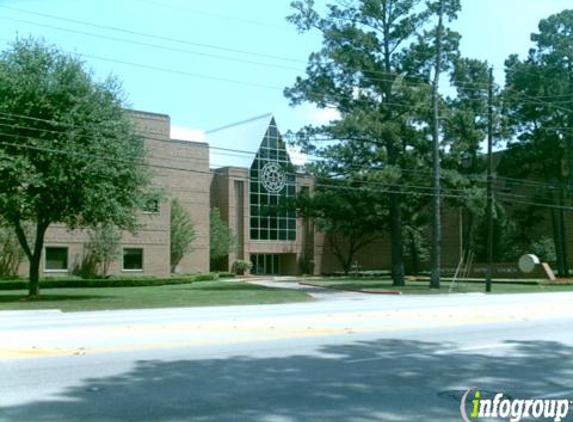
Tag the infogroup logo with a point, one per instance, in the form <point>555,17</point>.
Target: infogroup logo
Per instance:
<point>475,405</point>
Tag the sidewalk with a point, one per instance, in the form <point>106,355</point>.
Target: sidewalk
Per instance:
<point>317,292</point>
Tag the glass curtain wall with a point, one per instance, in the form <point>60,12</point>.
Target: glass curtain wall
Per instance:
<point>272,185</point>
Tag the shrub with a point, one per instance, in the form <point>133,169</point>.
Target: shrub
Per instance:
<point>206,277</point>
<point>240,266</point>
<point>72,282</point>
<point>544,248</point>
<point>182,233</point>
<point>102,248</point>
<point>220,238</point>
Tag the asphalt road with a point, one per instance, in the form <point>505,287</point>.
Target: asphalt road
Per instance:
<point>352,358</point>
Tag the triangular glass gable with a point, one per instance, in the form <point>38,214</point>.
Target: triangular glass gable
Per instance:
<point>272,189</point>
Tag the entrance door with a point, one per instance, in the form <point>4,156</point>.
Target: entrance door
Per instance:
<point>265,264</point>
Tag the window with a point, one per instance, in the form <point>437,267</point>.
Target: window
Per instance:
<point>133,259</point>
<point>265,264</point>
<point>272,187</point>
<point>56,259</point>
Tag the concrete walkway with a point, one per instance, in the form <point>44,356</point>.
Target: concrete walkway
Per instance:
<point>317,292</point>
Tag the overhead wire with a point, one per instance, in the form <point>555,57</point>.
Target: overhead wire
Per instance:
<point>238,152</point>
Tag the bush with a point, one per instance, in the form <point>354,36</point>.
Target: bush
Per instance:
<point>206,277</point>
<point>102,248</point>
<point>72,283</point>
<point>240,266</point>
<point>182,233</point>
<point>544,248</point>
<point>220,239</point>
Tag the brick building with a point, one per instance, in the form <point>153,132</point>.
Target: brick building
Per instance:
<point>246,171</point>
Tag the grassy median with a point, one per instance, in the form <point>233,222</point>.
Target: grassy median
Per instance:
<point>199,293</point>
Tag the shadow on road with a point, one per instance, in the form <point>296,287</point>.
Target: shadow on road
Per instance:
<point>385,380</point>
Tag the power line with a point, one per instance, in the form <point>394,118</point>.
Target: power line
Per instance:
<point>155,46</point>
<point>84,23</point>
<point>237,152</point>
<point>218,16</point>
<point>158,37</point>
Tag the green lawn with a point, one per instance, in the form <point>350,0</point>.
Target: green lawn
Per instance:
<point>422,286</point>
<point>200,293</point>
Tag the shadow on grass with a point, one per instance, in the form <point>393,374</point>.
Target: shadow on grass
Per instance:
<point>19,298</point>
<point>383,380</point>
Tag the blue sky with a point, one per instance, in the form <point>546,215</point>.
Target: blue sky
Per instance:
<point>210,63</point>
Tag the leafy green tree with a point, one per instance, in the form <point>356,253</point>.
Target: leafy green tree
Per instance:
<point>536,92</point>
<point>465,128</point>
<point>337,209</point>
<point>373,69</point>
<point>182,233</point>
<point>68,150</point>
<point>102,248</point>
<point>220,239</point>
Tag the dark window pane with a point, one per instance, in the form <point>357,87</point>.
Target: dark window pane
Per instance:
<point>56,259</point>
<point>133,259</point>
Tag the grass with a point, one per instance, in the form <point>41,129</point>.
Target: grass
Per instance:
<point>422,286</point>
<point>204,293</point>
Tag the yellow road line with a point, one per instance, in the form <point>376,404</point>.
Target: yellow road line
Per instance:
<point>270,333</point>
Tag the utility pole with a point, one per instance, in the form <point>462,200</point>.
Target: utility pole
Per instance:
<point>489,210</point>
<point>436,217</point>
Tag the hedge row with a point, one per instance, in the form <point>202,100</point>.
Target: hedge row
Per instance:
<point>51,283</point>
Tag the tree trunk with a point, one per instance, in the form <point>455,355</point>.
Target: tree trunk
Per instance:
<point>34,274</point>
<point>34,282</point>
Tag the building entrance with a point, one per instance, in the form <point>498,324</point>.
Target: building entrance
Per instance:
<point>266,264</point>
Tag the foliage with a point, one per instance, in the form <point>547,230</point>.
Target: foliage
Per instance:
<point>11,253</point>
<point>71,282</point>
<point>68,151</point>
<point>374,69</point>
<point>337,209</point>
<point>241,266</point>
<point>416,250</point>
<point>206,277</point>
<point>101,249</point>
<point>221,239</point>
<point>542,149</point>
<point>182,233</point>
<point>506,242</point>
<point>544,248</point>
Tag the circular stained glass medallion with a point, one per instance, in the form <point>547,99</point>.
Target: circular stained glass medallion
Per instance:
<point>273,177</point>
